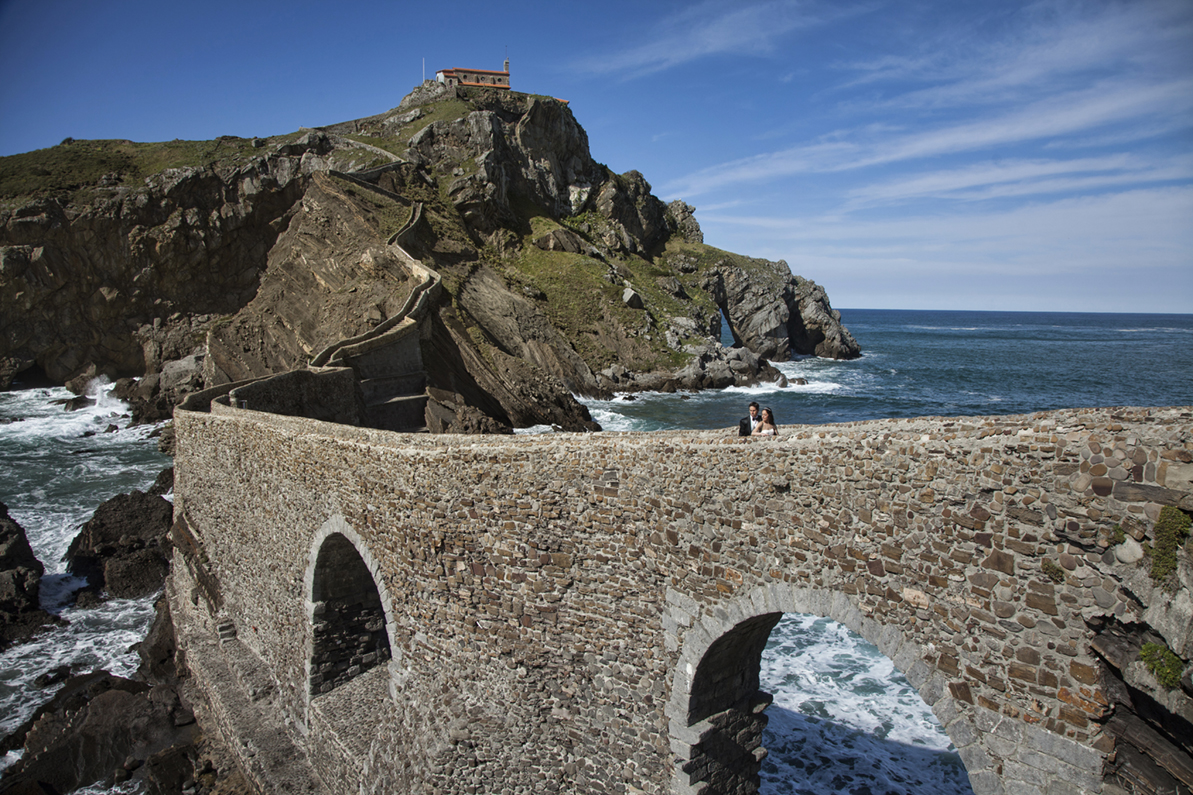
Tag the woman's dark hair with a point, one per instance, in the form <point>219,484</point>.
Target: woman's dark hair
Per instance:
<point>771,414</point>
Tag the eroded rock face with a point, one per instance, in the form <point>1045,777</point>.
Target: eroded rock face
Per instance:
<point>326,273</point>
<point>777,314</point>
<point>223,273</point>
<point>79,285</point>
<point>816,327</point>
<point>20,583</point>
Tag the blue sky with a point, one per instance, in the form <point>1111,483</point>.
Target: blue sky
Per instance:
<point>921,155</point>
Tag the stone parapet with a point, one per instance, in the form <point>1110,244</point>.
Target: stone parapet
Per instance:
<point>554,603</point>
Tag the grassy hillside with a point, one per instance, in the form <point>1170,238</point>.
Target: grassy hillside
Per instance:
<point>72,166</point>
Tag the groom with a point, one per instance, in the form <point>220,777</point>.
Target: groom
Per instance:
<point>747,424</point>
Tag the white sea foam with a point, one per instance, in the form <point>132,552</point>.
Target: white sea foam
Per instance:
<point>844,720</point>
<point>534,429</point>
<point>130,787</point>
<point>60,465</point>
<point>99,637</point>
<point>1157,330</point>
<point>955,328</point>
<point>610,420</point>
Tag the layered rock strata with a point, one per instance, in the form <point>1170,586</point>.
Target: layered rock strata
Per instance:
<point>245,258</point>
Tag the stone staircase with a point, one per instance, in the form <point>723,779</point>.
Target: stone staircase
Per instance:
<point>387,359</point>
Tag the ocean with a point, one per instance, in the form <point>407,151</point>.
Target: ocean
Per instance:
<point>844,722</point>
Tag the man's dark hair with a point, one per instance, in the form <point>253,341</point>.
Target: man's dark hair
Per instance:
<point>753,404</point>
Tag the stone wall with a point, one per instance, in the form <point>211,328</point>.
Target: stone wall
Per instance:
<point>330,394</point>
<point>555,605</point>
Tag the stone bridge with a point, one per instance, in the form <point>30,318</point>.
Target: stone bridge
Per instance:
<point>379,612</point>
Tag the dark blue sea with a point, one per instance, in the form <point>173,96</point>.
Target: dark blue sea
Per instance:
<point>844,722</point>
<point>922,363</point>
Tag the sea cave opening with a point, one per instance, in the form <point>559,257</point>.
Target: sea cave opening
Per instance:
<point>729,338</point>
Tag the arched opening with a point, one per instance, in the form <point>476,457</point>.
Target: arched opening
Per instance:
<point>728,335</point>
<point>845,720</point>
<point>348,629</point>
<point>721,699</point>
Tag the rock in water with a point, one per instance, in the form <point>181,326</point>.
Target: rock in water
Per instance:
<point>20,583</point>
<point>820,331</point>
<point>95,729</point>
<point>124,549</point>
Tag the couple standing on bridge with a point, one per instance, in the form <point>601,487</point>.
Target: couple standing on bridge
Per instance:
<point>758,424</point>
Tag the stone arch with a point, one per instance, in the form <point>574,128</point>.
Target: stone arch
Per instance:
<point>349,608</point>
<point>716,707</point>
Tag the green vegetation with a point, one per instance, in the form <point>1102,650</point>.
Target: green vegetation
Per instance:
<point>1164,665</point>
<point>583,293</point>
<point>578,295</point>
<point>1170,531</point>
<point>444,110</point>
<point>1117,535</point>
<point>1052,570</point>
<point>66,169</point>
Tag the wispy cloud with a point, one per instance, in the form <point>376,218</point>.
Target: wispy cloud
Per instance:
<point>709,28</point>
<point>1100,253</point>
<point>1078,112</point>
<point>1021,178</point>
<point>1063,44</point>
<point>1115,230</point>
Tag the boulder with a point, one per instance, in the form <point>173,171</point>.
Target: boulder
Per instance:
<point>20,582</point>
<point>182,376</point>
<point>76,403</point>
<point>96,730</point>
<point>561,240</point>
<point>163,484</point>
<point>124,549</point>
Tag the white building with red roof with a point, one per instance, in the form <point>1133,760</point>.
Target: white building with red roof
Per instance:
<point>482,78</point>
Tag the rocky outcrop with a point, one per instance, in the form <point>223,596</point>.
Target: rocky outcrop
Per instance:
<point>711,366</point>
<point>104,730</point>
<point>681,219</point>
<point>777,314</point>
<point>246,263</point>
<point>815,327</point>
<point>20,583</point>
<point>123,550</point>
<point>517,148</point>
<point>99,728</point>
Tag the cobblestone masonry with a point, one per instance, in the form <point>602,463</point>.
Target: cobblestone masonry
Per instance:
<point>584,613</point>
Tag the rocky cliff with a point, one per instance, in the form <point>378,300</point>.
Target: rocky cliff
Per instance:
<point>192,264</point>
